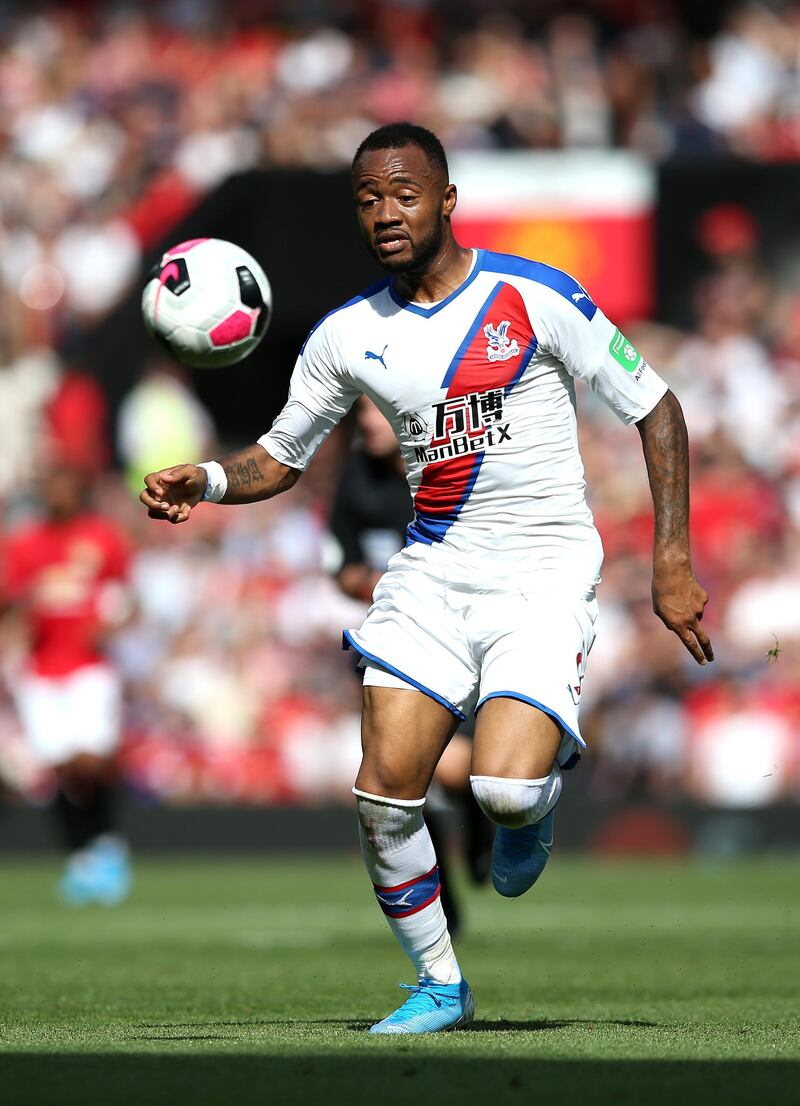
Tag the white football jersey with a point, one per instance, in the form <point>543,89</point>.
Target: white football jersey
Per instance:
<point>479,389</point>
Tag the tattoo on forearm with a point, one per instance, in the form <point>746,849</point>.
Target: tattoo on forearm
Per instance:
<point>666,453</point>
<point>253,475</point>
<point>243,474</point>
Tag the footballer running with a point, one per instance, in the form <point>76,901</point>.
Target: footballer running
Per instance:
<point>491,606</point>
<point>65,577</point>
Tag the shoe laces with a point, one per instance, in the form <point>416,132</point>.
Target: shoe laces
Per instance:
<point>423,989</point>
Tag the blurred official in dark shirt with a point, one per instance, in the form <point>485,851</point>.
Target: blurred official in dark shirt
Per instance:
<point>373,507</point>
<point>371,512</point>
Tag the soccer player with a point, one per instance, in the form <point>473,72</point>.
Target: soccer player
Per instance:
<point>472,357</point>
<point>64,577</point>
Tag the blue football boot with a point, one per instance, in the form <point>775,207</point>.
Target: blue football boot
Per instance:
<point>519,856</point>
<point>111,873</point>
<point>75,885</point>
<point>430,1008</point>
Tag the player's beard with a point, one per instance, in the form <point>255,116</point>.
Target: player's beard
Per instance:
<point>422,252</point>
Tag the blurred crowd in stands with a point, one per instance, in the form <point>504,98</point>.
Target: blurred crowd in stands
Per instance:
<point>113,123</point>
<point>114,118</point>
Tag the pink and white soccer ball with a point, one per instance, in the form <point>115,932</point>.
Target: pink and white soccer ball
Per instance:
<point>208,301</point>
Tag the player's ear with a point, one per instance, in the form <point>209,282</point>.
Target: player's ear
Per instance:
<point>449,200</point>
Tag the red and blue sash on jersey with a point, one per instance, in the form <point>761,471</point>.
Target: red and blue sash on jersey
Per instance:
<point>481,374</point>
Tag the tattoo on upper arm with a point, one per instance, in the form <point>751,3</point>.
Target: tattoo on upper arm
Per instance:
<point>666,454</point>
<point>243,474</point>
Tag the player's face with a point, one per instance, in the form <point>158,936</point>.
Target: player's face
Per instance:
<point>63,493</point>
<point>403,203</point>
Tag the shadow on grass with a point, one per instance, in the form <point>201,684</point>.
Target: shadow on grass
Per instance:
<point>537,1025</point>
<point>541,1025</point>
<point>337,1079</point>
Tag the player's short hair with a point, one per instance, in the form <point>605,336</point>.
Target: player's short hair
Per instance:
<point>394,136</point>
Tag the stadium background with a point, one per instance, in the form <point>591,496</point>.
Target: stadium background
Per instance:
<point>650,148</point>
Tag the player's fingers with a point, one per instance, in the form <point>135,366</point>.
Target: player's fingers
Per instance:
<point>179,512</point>
<point>703,639</point>
<point>153,484</point>
<point>691,644</point>
<point>152,502</point>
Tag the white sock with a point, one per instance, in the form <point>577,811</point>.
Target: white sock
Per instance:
<point>516,803</point>
<point>401,863</point>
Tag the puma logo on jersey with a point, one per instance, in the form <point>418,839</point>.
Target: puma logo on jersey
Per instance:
<point>370,356</point>
<point>500,347</point>
<point>576,296</point>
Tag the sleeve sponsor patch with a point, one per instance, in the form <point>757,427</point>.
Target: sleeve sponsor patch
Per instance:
<point>624,352</point>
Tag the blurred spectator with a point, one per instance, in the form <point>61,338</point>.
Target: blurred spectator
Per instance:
<point>29,379</point>
<point>743,745</point>
<point>161,419</point>
<point>76,423</point>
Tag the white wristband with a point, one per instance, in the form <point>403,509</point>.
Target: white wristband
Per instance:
<point>217,482</point>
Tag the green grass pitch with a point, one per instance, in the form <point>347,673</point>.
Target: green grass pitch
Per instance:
<point>226,983</point>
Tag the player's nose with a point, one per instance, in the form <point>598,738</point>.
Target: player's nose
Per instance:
<point>386,214</point>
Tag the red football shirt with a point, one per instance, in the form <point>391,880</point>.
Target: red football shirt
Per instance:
<point>57,572</point>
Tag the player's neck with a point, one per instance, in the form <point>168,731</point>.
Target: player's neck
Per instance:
<point>448,270</point>
<point>61,518</point>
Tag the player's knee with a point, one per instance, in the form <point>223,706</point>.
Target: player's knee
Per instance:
<point>517,803</point>
<point>384,821</point>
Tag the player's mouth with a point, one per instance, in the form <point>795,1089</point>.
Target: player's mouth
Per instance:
<point>390,243</point>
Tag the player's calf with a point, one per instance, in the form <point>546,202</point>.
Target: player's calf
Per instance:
<point>401,862</point>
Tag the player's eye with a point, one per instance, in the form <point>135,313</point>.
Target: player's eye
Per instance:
<point>407,199</point>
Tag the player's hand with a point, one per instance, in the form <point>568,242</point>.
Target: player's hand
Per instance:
<point>679,601</point>
<point>171,494</point>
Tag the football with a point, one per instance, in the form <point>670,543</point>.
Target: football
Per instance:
<point>208,301</point>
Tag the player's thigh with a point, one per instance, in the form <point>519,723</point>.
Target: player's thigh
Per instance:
<point>531,680</point>
<point>514,740</point>
<point>43,709</point>
<point>403,734</point>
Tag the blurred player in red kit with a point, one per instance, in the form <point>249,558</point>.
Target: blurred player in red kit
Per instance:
<point>63,577</point>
